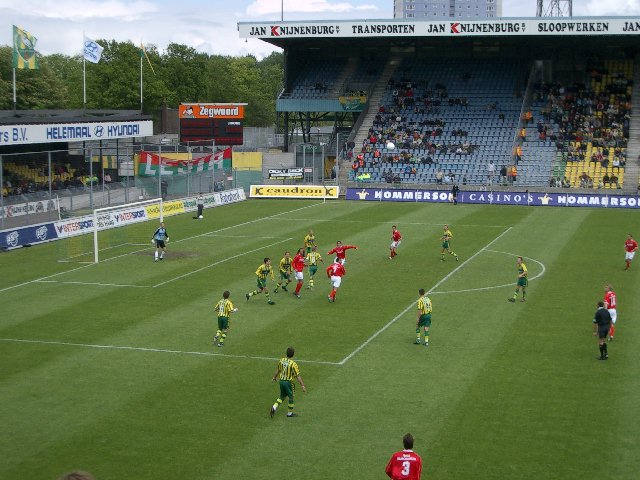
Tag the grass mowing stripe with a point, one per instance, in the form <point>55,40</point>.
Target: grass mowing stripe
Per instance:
<point>177,241</point>
<point>157,350</point>
<point>92,283</point>
<point>389,222</point>
<point>412,304</point>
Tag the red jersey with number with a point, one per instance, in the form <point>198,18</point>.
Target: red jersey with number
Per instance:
<point>404,465</point>
<point>610,299</point>
<point>630,245</point>
<point>339,251</point>
<point>336,270</point>
<point>298,263</point>
<point>396,236</point>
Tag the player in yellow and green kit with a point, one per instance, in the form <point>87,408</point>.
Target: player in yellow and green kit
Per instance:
<point>287,373</point>
<point>224,308</point>
<point>424,318</point>
<point>309,241</point>
<point>262,273</point>
<point>285,272</point>
<point>446,243</point>
<point>312,259</point>
<point>523,281</point>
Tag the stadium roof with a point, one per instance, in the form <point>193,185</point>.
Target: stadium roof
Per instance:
<point>20,117</point>
<point>278,33</point>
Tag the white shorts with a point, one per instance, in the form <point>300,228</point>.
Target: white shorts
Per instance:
<point>336,281</point>
<point>614,315</point>
<point>298,275</point>
<point>395,244</point>
<point>629,255</point>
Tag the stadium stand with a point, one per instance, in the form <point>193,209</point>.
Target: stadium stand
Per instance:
<point>583,128</point>
<point>447,116</point>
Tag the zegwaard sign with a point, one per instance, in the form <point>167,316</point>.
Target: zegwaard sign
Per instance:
<point>73,132</point>
<point>291,191</point>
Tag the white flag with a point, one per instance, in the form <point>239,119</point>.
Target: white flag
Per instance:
<point>92,51</point>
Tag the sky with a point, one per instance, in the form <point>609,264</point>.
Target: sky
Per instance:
<point>211,25</point>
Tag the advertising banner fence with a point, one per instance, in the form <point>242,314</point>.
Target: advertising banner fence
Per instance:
<point>596,200</point>
<point>301,191</point>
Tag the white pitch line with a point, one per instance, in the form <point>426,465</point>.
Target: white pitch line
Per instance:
<point>155,350</point>
<point>93,283</point>
<point>479,289</point>
<point>219,262</point>
<point>412,304</point>
<point>177,241</point>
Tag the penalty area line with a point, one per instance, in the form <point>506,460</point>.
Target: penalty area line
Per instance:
<point>220,261</point>
<point>36,280</point>
<point>155,350</point>
<point>412,304</point>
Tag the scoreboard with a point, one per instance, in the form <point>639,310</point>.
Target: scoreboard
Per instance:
<point>221,122</point>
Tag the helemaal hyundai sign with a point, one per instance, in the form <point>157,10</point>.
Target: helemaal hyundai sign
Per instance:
<point>73,132</point>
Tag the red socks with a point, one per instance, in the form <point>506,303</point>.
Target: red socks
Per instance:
<point>298,287</point>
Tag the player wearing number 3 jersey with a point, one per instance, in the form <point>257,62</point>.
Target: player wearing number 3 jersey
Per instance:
<point>405,464</point>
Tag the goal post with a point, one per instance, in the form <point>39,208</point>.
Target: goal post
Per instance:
<point>115,217</point>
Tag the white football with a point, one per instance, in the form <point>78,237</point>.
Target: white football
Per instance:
<point>200,216</point>
<point>390,146</point>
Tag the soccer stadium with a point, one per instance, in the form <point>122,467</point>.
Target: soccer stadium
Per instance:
<point>505,151</point>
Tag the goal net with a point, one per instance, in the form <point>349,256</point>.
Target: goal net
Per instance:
<point>114,231</point>
<point>109,222</point>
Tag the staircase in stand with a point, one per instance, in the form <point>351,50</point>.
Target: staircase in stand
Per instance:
<point>632,169</point>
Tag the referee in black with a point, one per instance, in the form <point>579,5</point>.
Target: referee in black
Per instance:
<point>454,193</point>
<point>601,324</point>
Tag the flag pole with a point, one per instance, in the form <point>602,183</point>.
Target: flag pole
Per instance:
<point>14,90</point>
<point>141,53</point>
<point>84,77</point>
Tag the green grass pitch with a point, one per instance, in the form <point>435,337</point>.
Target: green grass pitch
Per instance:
<point>110,368</point>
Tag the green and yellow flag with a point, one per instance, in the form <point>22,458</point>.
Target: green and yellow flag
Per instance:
<point>24,50</point>
<point>143,54</point>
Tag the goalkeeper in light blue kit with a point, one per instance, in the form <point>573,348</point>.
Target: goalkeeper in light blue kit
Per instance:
<point>160,236</point>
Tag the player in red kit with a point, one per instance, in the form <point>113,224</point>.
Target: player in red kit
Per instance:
<point>610,303</point>
<point>396,238</point>
<point>298,268</point>
<point>335,272</point>
<point>339,251</point>
<point>630,247</point>
<point>405,464</point>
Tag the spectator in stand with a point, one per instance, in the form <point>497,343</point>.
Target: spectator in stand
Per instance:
<point>439,176</point>
<point>491,171</point>
<point>606,180</point>
<point>566,183</point>
<point>513,173</point>
<point>614,180</point>
<point>503,175</point>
